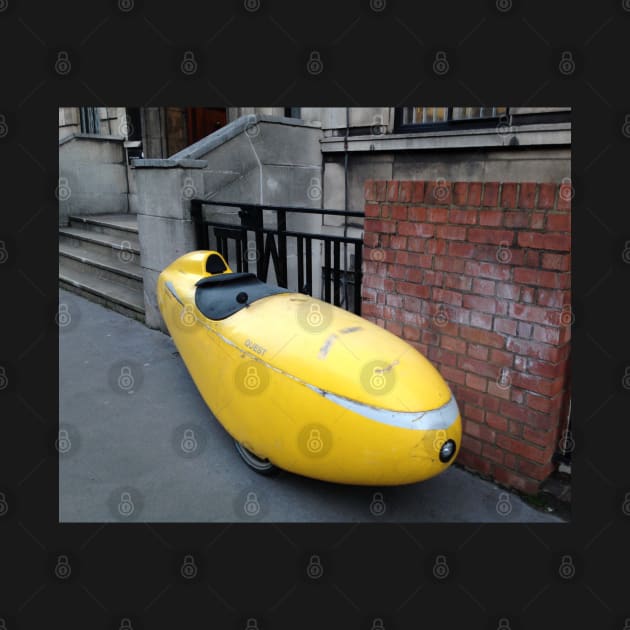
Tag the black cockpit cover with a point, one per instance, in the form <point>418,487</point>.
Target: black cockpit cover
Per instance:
<point>216,296</point>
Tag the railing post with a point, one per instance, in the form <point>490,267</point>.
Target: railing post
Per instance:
<point>252,220</point>
<point>282,248</point>
<point>201,232</point>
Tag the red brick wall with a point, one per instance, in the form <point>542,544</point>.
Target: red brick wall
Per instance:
<point>477,277</point>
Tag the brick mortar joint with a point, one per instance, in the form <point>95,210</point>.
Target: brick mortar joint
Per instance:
<point>370,190</point>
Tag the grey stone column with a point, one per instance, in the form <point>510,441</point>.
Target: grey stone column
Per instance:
<point>164,189</point>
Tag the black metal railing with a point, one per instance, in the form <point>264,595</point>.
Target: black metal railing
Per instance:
<point>270,249</point>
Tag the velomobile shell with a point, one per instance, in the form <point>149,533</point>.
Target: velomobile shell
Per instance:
<point>313,388</point>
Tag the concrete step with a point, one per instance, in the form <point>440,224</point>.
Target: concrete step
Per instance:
<point>84,281</point>
<point>129,274</point>
<point>104,246</point>
<point>119,225</point>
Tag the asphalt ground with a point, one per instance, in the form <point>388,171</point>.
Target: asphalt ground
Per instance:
<point>137,443</point>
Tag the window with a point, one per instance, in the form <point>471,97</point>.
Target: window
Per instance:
<point>432,115</point>
<point>90,120</point>
<point>410,119</point>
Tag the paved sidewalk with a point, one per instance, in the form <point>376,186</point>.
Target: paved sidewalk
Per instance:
<point>137,443</point>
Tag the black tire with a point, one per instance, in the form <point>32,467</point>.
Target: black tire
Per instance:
<point>258,465</point>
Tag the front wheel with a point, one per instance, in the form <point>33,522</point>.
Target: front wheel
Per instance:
<point>261,466</point>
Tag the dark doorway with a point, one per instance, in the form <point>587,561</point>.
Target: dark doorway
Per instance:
<point>133,124</point>
<point>202,121</point>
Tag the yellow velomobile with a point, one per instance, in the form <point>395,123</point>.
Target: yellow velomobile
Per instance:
<point>305,386</point>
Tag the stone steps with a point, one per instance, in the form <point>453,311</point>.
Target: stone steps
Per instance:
<point>99,258</point>
<point>112,224</point>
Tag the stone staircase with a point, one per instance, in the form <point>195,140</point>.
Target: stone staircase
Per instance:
<point>99,259</point>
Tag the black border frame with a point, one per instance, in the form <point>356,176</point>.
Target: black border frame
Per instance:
<point>370,571</point>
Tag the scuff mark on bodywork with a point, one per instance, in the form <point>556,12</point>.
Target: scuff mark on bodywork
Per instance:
<point>323,351</point>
